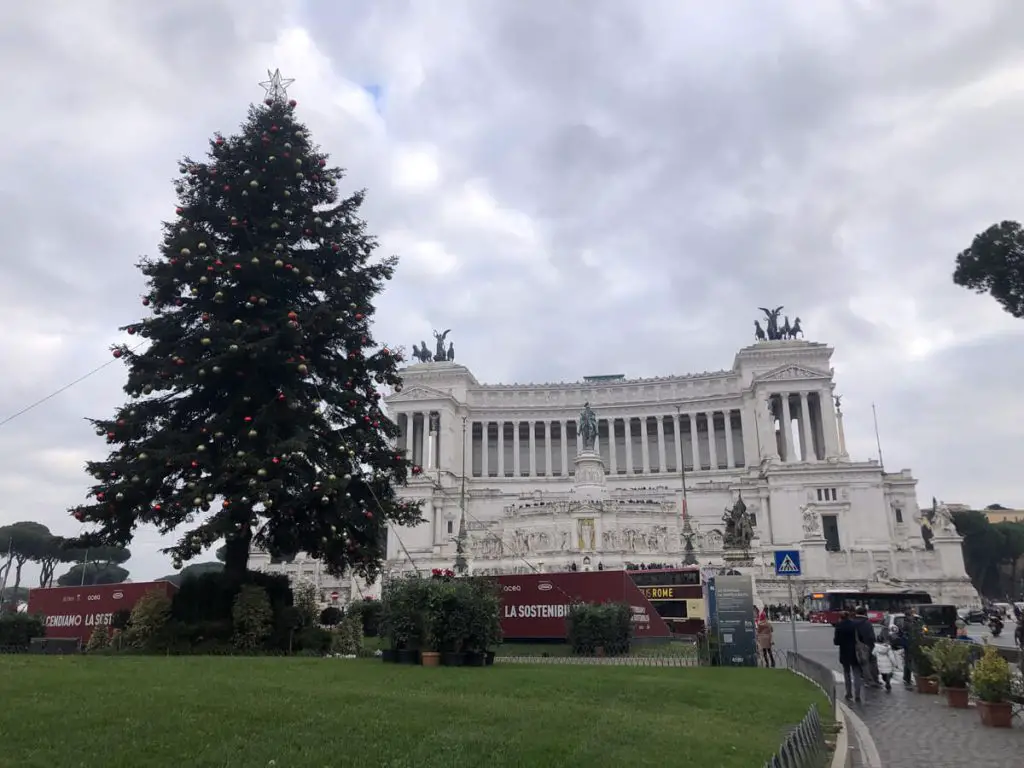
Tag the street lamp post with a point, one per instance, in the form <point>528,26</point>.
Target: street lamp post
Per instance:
<point>689,557</point>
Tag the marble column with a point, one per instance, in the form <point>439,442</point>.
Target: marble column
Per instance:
<point>501,449</point>
<point>645,446</point>
<point>485,459</point>
<point>628,424</point>
<point>829,428</point>
<point>805,421</point>
<point>730,450</point>
<point>662,465</point>
<point>565,448</point>
<point>679,442</point>
<point>709,416</point>
<point>533,447</point>
<point>695,442</point>
<point>787,428</point>
<point>517,449</point>
<point>613,460</point>
<point>425,461</point>
<point>467,447</point>
<point>547,449</point>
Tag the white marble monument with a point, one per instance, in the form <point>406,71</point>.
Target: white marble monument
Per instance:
<point>543,493</point>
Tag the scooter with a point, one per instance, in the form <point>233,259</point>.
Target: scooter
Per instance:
<point>995,626</point>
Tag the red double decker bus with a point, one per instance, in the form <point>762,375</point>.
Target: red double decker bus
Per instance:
<point>826,607</point>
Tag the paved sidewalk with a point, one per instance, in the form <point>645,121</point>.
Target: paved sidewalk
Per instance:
<point>912,730</point>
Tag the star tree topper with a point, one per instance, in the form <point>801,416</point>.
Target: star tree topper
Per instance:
<point>277,86</point>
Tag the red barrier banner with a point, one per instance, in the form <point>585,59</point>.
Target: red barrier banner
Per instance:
<point>534,606</point>
<point>77,611</point>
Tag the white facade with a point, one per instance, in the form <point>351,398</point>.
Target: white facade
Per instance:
<point>533,500</point>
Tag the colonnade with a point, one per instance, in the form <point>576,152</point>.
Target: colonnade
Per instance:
<point>705,440</point>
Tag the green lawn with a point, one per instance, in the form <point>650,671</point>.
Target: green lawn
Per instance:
<point>202,712</point>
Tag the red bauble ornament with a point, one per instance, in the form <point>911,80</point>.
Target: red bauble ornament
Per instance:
<point>179,210</point>
<point>280,396</point>
<point>78,515</point>
<point>117,353</point>
<point>293,103</point>
<point>111,435</point>
<point>269,102</point>
<point>227,188</point>
<point>416,469</point>
<point>359,316</point>
<point>219,142</point>
<point>238,266</point>
<point>145,301</point>
<point>273,129</point>
<point>275,460</point>
<point>99,496</point>
<point>335,247</point>
<point>157,507</point>
<point>194,464</point>
<point>321,163</point>
<point>369,514</point>
<point>248,419</point>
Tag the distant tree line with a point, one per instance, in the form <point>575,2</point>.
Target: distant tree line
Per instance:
<point>31,542</point>
<point>993,554</point>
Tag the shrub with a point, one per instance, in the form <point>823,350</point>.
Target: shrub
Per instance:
<point>314,640</point>
<point>991,678</point>
<point>403,612</point>
<point>148,624</point>
<point>17,629</point>
<point>252,618</point>
<point>120,619</point>
<point>370,610</point>
<point>952,662</point>
<point>348,638</point>
<point>483,630</point>
<point>608,626</point>
<point>331,616</point>
<point>306,606</point>
<point>920,661</point>
<point>99,640</point>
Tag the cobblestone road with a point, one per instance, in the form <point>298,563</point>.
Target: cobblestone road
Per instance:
<point>912,730</point>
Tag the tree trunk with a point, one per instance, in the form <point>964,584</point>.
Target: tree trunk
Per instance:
<point>18,565</point>
<point>236,553</point>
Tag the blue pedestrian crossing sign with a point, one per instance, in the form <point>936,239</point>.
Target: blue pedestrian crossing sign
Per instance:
<point>787,562</point>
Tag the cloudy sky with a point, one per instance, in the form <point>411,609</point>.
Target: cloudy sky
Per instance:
<point>573,187</point>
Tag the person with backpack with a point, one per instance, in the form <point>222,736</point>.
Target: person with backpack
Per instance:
<point>866,646</point>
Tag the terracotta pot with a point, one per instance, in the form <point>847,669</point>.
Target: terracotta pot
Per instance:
<point>956,697</point>
<point>996,714</point>
<point>430,659</point>
<point>928,685</point>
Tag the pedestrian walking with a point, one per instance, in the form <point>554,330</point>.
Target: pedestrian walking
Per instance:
<point>888,659</point>
<point>765,641</point>
<point>845,637</point>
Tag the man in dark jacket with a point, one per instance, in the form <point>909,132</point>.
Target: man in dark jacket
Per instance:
<point>846,636</point>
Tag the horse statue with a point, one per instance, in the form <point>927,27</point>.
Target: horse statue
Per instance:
<point>588,427</point>
<point>759,332</point>
<point>795,329</point>
<point>785,330</point>
<point>421,353</point>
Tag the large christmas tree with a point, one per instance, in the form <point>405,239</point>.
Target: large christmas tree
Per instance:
<point>255,412</point>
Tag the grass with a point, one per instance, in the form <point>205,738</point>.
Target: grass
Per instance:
<point>203,712</point>
<point>673,649</point>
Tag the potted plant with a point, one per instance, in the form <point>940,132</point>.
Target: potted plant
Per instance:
<point>483,624</point>
<point>920,661</point>
<point>451,608</point>
<point>403,616</point>
<point>952,662</point>
<point>991,681</point>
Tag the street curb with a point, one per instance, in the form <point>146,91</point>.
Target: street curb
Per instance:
<point>841,758</point>
<point>868,748</point>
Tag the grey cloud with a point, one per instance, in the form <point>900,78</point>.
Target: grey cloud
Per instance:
<point>678,166</point>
